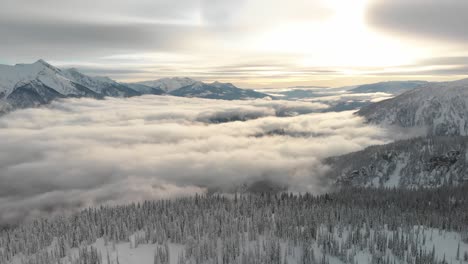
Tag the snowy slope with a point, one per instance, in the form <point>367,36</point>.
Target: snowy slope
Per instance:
<point>33,93</point>
<point>428,162</point>
<point>441,108</point>
<point>442,243</point>
<point>391,87</point>
<point>30,85</point>
<point>101,85</point>
<point>352,226</point>
<point>169,84</point>
<point>217,90</point>
<point>12,77</point>
<point>144,89</point>
<point>186,87</point>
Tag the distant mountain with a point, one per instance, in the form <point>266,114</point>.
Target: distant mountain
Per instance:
<point>30,85</point>
<point>391,87</point>
<point>100,85</point>
<point>217,90</point>
<point>441,108</point>
<point>144,89</point>
<point>32,93</point>
<point>37,74</point>
<point>169,84</point>
<point>420,162</point>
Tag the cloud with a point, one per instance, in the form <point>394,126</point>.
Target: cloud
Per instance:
<point>83,152</point>
<point>203,39</point>
<point>31,38</point>
<point>431,19</point>
<point>52,28</point>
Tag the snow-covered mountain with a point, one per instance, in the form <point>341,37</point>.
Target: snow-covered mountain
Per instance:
<point>441,108</point>
<point>144,89</point>
<point>217,90</point>
<point>30,85</point>
<point>187,87</point>
<point>420,162</point>
<point>169,84</point>
<point>38,76</point>
<point>391,87</point>
<point>101,85</point>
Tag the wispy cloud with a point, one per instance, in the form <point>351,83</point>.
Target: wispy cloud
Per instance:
<point>255,43</point>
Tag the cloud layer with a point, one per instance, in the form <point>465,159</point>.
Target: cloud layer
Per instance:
<point>432,19</point>
<point>83,152</point>
<point>253,44</point>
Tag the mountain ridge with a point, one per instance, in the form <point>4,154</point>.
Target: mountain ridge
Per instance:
<point>441,108</point>
<point>32,85</point>
<point>433,161</point>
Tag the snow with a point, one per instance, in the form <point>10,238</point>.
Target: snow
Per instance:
<point>169,84</point>
<point>441,107</point>
<point>97,84</point>
<point>445,244</point>
<point>20,74</point>
<point>395,177</point>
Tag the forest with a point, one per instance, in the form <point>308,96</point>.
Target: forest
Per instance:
<point>381,225</point>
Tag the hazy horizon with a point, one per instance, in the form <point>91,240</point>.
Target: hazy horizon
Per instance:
<point>253,44</point>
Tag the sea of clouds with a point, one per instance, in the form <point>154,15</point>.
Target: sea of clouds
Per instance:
<point>77,153</point>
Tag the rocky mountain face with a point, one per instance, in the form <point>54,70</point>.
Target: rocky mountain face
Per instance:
<point>30,85</point>
<point>441,108</point>
<point>420,162</point>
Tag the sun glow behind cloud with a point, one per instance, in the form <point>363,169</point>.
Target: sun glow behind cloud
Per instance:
<point>255,43</point>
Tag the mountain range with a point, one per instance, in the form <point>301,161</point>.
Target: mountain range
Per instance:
<point>30,85</point>
<point>438,158</point>
<point>391,87</point>
<point>439,107</point>
<point>419,162</point>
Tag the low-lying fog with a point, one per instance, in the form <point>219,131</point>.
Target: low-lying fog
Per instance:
<point>81,152</point>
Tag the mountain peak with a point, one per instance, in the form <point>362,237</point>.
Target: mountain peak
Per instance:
<point>223,85</point>
<point>73,70</point>
<point>43,62</point>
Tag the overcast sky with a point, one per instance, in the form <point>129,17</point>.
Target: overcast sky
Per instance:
<point>252,43</point>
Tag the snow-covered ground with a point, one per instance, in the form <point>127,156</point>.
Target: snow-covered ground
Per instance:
<point>445,245</point>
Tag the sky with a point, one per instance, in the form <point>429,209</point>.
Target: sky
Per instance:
<point>251,43</point>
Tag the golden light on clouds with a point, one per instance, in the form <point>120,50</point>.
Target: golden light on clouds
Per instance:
<point>254,43</point>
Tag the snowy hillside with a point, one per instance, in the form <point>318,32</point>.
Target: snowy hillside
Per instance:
<point>441,108</point>
<point>101,85</point>
<point>144,89</point>
<point>353,226</point>
<point>427,162</point>
<point>217,90</point>
<point>391,87</point>
<point>38,74</point>
<point>30,85</point>
<point>169,84</point>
